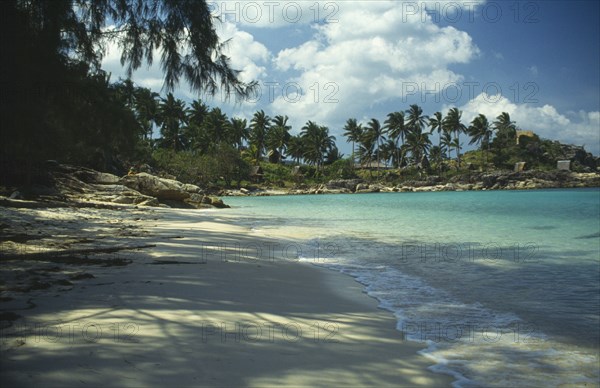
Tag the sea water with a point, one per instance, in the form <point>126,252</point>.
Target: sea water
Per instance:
<point>501,287</point>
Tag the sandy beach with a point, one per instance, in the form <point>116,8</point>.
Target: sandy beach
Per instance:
<point>204,304</point>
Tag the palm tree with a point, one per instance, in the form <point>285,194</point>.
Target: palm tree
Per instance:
<point>216,126</point>
<point>238,129</point>
<point>317,143</point>
<point>146,109</point>
<point>366,150</point>
<point>436,123</point>
<point>446,142</point>
<point>296,148</point>
<point>415,119</point>
<point>172,117</point>
<point>195,131</point>
<point>278,137</point>
<point>481,133</point>
<point>259,126</point>
<point>452,123</point>
<point>333,155</point>
<point>396,129</point>
<point>436,155</point>
<point>353,132</point>
<point>419,144</point>
<point>375,132</point>
<point>389,150</point>
<point>506,129</point>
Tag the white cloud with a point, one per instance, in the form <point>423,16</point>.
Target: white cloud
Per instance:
<point>580,128</point>
<point>369,56</point>
<point>246,53</point>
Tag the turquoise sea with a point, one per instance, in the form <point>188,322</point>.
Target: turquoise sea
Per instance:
<point>502,287</point>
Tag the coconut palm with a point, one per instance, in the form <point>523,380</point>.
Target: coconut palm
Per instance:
<point>317,143</point>
<point>436,123</point>
<point>452,123</point>
<point>506,129</point>
<point>172,117</point>
<point>415,120</point>
<point>389,151</point>
<point>278,137</point>
<point>259,126</point>
<point>216,125</point>
<point>296,148</point>
<point>353,132</point>
<point>481,133</point>
<point>366,151</point>
<point>146,110</point>
<point>418,143</point>
<point>375,133</point>
<point>446,143</point>
<point>436,155</point>
<point>397,130</point>
<point>238,129</point>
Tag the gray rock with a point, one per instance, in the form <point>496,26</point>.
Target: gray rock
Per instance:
<point>96,177</point>
<point>348,184</point>
<point>161,188</point>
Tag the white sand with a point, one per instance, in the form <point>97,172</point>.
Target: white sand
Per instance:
<point>244,321</point>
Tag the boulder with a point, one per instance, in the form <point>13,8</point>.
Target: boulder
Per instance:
<point>348,184</point>
<point>218,203</point>
<point>161,188</point>
<point>192,189</point>
<point>96,177</point>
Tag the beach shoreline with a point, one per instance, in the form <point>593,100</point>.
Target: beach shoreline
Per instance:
<point>195,310</point>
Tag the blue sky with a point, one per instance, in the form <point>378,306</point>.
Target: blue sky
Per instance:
<point>537,60</point>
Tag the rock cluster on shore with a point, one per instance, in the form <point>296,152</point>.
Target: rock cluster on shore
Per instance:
<point>525,180</point>
<point>84,185</point>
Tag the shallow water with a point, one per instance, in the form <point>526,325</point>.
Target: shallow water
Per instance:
<point>503,287</point>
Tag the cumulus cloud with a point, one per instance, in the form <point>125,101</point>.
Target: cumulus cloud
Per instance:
<point>369,56</point>
<point>580,128</point>
<point>247,55</point>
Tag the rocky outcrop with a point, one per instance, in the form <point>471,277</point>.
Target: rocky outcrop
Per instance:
<point>347,184</point>
<point>161,188</point>
<point>496,180</point>
<point>82,184</point>
<point>579,157</point>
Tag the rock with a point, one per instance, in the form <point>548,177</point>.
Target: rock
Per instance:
<point>195,198</point>
<point>122,199</point>
<point>192,189</point>
<point>95,177</point>
<point>15,195</point>
<point>244,191</point>
<point>348,184</point>
<point>218,203</point>
<point>152,202</point>
<point>161,188</point>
